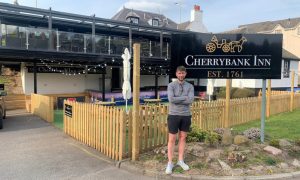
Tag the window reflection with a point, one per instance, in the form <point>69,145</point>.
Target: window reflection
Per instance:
<point>39,39</point>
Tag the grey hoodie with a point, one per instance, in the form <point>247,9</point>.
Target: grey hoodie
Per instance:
<point>180,96</point>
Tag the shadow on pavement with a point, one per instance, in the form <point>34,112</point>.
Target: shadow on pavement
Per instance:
<point>21,120</point>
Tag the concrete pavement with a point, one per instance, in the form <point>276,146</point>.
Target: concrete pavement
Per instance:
<point>30,148</point>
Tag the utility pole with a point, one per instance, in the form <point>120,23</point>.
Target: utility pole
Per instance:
<point>180,6</point>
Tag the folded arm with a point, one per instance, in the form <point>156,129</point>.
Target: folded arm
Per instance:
<point>190,98</point>
<point>174,99</point>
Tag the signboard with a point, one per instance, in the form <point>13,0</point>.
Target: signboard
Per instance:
<point>1,87</point>
<point>228,56</point>
<point>66,70</point>
<point>68,110</point>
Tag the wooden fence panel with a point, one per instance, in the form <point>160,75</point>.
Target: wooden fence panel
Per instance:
<point>297,100</point>
<point>103,128</point>
<point>15,101</point>
<point>280,103</point>
<point>42,106</point>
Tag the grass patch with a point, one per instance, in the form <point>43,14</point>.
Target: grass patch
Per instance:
<point>199,165</point>
<point>284,125</point>
<point>58,119</point>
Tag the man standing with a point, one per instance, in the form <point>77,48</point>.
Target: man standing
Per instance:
<point>181,96</point>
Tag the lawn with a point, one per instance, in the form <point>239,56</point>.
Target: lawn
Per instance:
<point>284,125</point>
<point>58,119</point>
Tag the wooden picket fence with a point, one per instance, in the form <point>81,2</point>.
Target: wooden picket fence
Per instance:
<point>103,128</point>
<point>110,129</point>
<point>152,127</point>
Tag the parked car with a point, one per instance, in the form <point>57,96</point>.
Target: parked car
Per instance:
<point>2,108</point>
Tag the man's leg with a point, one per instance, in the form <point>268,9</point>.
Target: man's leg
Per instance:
<point>181,145</point>
<point>171,145</point>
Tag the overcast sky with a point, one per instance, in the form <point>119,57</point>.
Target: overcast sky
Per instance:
<point>218,15</point>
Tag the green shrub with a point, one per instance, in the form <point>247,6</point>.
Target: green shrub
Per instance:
<point>274,142</point>
<point>196,134</point>
<point>236,92</point>
<point>212,138</point>
<point>242,93</point>
<point>297,142</point>
<point>270,161</point>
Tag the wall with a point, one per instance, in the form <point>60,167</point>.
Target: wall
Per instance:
<point>149,80</point>
<point>255,83</point>
<point>283,82</point>
<point>52,83</point>
<point>291,39</point>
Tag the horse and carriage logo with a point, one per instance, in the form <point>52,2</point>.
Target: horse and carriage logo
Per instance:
<point>226,47</point>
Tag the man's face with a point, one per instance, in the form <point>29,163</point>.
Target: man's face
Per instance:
<point>180,75</point>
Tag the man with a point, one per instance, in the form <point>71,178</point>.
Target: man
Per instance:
<point>181,96</point>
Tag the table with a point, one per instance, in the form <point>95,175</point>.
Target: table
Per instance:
<point>197,98</point>
<point>106,103</point>
<point>154,101</point>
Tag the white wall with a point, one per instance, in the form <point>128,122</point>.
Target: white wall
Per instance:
<point>149,80</point>
<point>256,83</point>
<point>283,82</point>
<point>52,83</point>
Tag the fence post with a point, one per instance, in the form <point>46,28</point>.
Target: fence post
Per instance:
<point>136,101</point>
<point>227,104</point>
<point>292,91</point>
<point>269,99</point>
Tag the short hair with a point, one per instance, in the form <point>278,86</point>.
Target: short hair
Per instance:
<point>180,68</point>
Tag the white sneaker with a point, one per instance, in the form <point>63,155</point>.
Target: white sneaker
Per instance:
<point>183,165</point>
<point>169,168</point>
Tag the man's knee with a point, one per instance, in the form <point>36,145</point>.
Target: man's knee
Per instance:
<point>172,138</point>
<point>182,135</point>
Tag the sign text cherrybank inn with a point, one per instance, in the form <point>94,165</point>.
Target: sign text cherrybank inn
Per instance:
<point>228,56</point>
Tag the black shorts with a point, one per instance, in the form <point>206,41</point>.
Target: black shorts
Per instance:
<point>183,123</point>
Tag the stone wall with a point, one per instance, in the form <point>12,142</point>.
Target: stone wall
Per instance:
<point>12,81</point>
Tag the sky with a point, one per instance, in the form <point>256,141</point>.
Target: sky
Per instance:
<point>218,15</point>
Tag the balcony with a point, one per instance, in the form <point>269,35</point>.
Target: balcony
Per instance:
<point>27,38</point>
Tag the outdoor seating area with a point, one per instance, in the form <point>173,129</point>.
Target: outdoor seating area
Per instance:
<point>146,97</point>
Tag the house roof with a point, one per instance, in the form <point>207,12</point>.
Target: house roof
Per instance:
<point>288,55</point>
<point>266,26</point>
<point>184,25</point>
<point>144,17</point>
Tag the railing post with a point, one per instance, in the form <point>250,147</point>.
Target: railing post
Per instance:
<point>93,35</point>
<point>50,42</point>
<point>292,91</point>
<point>269,99</point>
<point>136,102</point>
<point>227,104</point>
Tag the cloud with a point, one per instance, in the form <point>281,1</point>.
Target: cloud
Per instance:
<point>157,6</point>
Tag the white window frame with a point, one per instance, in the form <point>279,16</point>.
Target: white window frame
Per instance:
<point>155,24</point>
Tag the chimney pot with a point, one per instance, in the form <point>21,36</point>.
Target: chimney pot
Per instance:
<point>196,7</point>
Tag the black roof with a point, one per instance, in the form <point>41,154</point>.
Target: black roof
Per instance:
<point>144,17</point>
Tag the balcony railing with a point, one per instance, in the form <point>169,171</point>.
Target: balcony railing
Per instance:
<point>17,37</point>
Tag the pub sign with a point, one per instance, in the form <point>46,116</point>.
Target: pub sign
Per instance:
<point>228,56</point>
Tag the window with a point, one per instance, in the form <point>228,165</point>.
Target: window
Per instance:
<point>155,22</point>
<point>286,69</point>
<point>134,20</point>
<point>278,32</point>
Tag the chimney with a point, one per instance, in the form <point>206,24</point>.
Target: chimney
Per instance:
<point>196,23</point>
<point>196,14</point>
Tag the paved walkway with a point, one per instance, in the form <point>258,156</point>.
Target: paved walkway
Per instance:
<point>30,148</point>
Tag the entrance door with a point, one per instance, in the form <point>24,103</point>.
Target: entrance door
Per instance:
<point>115,80</point>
